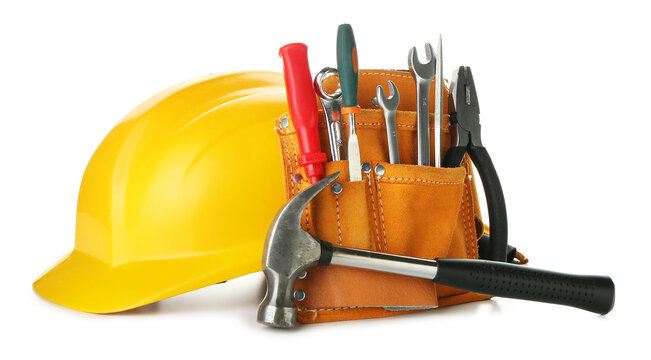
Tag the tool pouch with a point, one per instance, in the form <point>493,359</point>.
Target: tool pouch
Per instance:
<point>403,209</point>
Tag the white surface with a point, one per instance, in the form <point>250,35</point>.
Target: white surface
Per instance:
<point>564,94</point>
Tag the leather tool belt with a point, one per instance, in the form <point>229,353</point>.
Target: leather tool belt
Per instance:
<point>402,209</point>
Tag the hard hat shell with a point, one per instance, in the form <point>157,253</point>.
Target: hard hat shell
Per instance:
<point>178,196</point>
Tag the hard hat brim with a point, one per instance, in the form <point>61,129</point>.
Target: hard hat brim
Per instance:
<point>84,283</point>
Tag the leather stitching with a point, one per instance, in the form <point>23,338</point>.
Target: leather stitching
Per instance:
<point>301,309</point>
<point>304,309</point>
<point>384,233</point>
<point>370,190</point>
<point>385,74</point>
<point>465,222</point>
<point>362,124</point>
<point>469,237</point>
<point>471,210</point>
<point>285,131</point>
<point>336,76</point>
<point>422,180</point>
<point>474,246</point>
<point>289,162</point>
<point>464,211</point>
<point>338,219</point>
<point>295,153</point>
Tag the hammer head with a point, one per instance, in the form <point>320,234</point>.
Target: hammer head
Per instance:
<point>288,251</point>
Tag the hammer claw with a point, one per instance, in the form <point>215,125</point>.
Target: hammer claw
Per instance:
<point>288,251</point>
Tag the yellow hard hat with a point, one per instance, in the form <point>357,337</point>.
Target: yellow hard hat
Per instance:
<point>178,196</point>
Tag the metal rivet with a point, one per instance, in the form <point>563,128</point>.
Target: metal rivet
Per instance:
<point>366,168</point>
<point>337,188</point>
<point>284,123</point>
<point>302,275</point>
<point>297,178</point>
<point>469,177</point>
<point>299,295</point>
<point>379,170</point>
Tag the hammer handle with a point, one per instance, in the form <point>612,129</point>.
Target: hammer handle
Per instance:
<point>588,292</point>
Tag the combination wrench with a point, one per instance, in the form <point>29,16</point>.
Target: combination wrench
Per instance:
<point>332,108</point>
<point>423,75</point>
<point>389,106</point>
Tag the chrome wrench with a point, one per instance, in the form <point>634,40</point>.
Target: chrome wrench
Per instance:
<point>389,106</point>
<point>423,75</point>
<point>332,108</point>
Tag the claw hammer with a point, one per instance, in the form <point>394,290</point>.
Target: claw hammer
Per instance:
<point>289,250</point>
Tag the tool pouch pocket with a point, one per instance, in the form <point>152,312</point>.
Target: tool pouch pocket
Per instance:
<point>402,209</point>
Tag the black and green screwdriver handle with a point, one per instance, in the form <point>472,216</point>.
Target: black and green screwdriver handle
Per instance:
<point>347,67</point>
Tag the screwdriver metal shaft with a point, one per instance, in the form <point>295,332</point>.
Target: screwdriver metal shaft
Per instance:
<point>438,106</point>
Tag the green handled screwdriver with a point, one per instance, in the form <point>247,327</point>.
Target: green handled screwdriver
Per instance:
<point>348,79</point>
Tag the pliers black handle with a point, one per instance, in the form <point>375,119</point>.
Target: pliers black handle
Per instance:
<point>494,194</point>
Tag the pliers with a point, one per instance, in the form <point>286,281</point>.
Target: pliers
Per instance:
<point>466,138</point>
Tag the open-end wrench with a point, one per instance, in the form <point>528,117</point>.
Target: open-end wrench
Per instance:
<point>389,106</point>
<point>332,109</point>
<point>423,75</point>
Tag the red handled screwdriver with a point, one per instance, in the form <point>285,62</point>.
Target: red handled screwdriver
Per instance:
<point>303,108</point>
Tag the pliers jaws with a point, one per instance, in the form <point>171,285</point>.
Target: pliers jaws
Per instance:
<point>466,105</point>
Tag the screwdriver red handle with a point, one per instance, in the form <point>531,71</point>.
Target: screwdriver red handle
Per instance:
<point>303,109</point>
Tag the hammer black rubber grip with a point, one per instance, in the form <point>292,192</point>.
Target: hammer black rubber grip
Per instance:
<point>587,292</point>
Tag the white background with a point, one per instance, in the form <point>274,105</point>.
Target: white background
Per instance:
<point>564,95</point>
